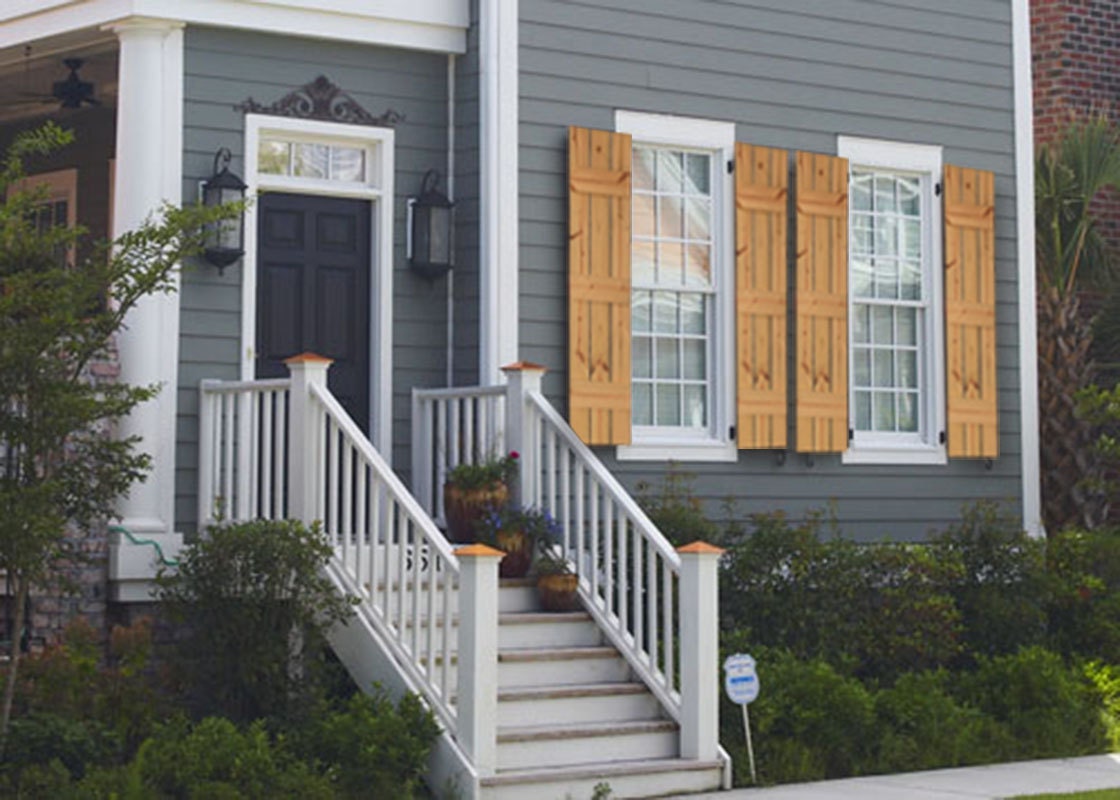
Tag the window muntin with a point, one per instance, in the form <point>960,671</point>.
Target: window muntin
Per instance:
<point>672,289</point>
<point>889,301</point>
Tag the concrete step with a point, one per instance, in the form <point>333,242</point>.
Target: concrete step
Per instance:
<point>569,705</point>
<point>627,779</point>
<point>536,746</point>
<point>560,666</point>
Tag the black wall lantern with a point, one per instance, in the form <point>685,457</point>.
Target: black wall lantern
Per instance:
<point>225,238</point>
<point>431,251</point>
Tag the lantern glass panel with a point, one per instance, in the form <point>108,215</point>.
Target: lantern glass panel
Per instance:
<point>440,235</point>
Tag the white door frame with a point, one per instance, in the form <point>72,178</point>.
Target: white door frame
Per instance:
<point>378,189</point>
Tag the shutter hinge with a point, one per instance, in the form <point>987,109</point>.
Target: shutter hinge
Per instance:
<point>851,434</point>
<point>941,437</point>
<point>937,188</point>
<point>731,433</point>
<point>730,166</point>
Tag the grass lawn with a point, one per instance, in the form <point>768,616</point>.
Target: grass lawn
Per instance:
<point>1100,794</point>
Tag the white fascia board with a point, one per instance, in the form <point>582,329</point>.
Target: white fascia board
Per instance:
<point>1024,223</point>
<point>433,25</point>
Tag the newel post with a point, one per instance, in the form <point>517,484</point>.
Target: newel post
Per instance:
<point>303,464</point>
<point>522,377</point>
<point>699,636</point>
<point>478,655</point>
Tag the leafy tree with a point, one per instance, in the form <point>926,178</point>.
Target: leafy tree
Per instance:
<point>61,470</point>
<point>256,606</point>
<point>1071,173</point>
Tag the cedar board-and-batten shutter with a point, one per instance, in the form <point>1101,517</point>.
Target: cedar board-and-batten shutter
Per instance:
<point>970,317</point>
<point>599,178</point>
<point>761,194</point>
<point>822,303</point>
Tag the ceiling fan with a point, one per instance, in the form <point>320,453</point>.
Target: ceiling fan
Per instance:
<point>70,93</point>
<point>73,92</point>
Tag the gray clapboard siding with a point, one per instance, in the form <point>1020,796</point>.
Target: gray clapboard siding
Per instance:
<point>792,75</point>
<point>224,68</point>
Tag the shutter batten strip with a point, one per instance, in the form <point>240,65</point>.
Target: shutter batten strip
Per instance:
<point>761,195</point>
<point>822,303</point>
<point>970,318</point>
<point>599,285</point>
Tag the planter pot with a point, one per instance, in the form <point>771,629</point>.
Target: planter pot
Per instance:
<point>558,592</point>
<point>464,507</point>
<point>518,549</point>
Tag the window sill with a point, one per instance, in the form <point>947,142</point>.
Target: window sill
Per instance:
<point>913,454</point>
<point>680,450</point>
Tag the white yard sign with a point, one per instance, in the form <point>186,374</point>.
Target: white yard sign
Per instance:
<point>740,681</point>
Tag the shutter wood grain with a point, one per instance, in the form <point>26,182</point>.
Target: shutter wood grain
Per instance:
<point>761,195</point>
<point>970,313</point>
<point>822,303</point>
<point>599,285</point>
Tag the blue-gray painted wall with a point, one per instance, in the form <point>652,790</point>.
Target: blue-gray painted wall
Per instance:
<point>790,74</point>
<point>223,68</point>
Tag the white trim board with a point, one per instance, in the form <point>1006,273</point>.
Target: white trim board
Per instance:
<point>380,162</point>
<point>499,306</point>
<point>433,25</point>
<point>1024,223</point>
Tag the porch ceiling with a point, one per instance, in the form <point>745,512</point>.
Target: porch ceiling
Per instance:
<point>29,72</point>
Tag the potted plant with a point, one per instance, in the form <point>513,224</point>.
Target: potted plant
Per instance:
<point>515,531</point>
<point>557,585</point>
<point>472,490</point>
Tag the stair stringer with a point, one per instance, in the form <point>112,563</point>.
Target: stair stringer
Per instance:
<point>369,659</point>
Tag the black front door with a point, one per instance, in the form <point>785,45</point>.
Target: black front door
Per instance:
<point>313,263</point>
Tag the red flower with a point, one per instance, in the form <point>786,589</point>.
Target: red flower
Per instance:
<point>514,454</point>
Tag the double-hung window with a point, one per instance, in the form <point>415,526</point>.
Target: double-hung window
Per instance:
<point>897,380</point>
<point>680,287</point>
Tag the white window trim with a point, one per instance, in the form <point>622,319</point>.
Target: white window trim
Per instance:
<point>922,159</point>
<point>718,136</point>
<point>379,145</point>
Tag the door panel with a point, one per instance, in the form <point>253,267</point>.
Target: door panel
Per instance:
<point>313,263</point>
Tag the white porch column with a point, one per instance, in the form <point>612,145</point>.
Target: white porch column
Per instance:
<point>700,676</point>
<point>478,655</point>
<point>522,377</point>
<point>149,158</point>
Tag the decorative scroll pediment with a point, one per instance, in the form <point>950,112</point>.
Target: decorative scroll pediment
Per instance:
<point>322,100</point>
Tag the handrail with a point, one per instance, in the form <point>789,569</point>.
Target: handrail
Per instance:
<point>629,572</point>
<point>606,478</point>
<point>389,549</point>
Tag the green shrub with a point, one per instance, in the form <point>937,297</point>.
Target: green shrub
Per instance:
<point>214,759</point>
<point>879,610</point>
<point>810,721</point>
<point>1106,680</point>
<point>1084,593</point>
<point>256,605</point>
<point>922,726</point>
<point>38,739</point>
<point>1049,708</point>
<point>675,509</point>
<point>1001,593</point>
<point>370,747</point>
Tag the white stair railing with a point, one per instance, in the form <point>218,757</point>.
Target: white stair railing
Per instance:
<point>657,605</point>
<point>243,430</point>
<point>461,425</point>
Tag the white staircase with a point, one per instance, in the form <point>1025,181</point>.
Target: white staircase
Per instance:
<point>571,714</point>
<point>532,704</point>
